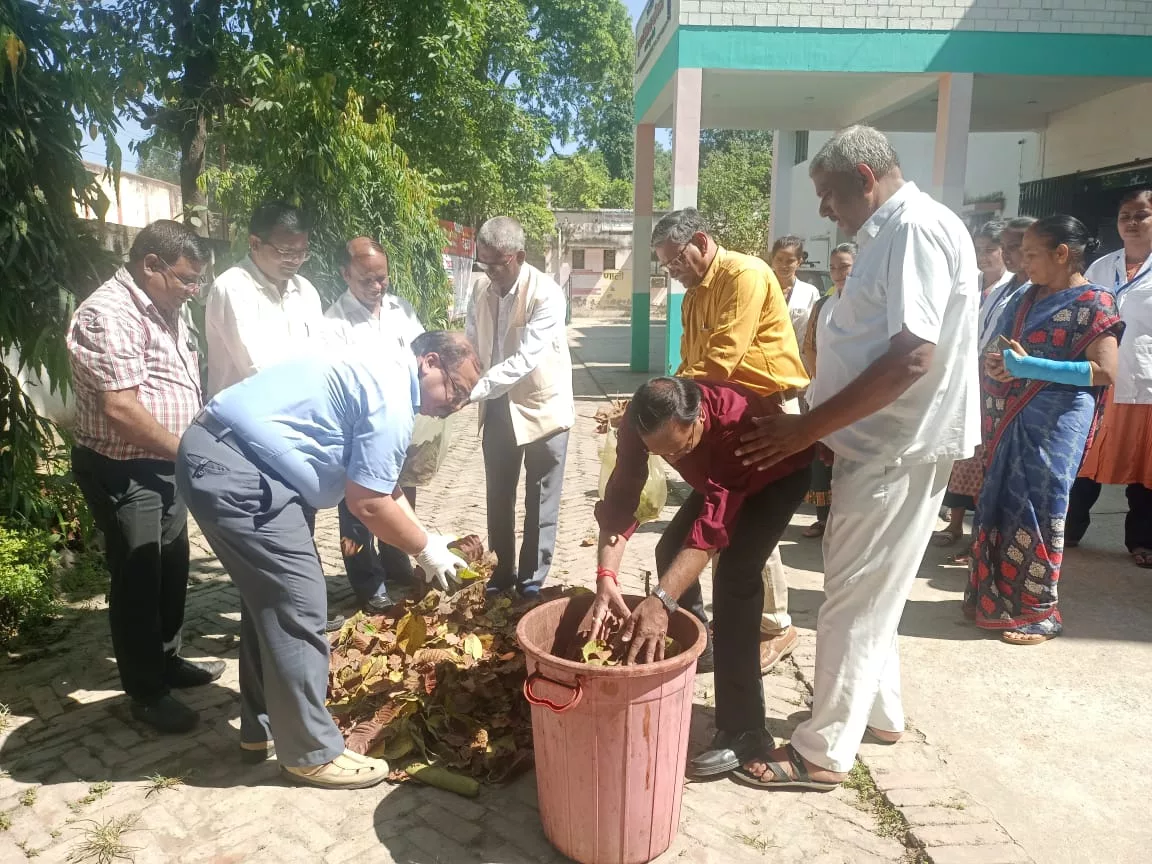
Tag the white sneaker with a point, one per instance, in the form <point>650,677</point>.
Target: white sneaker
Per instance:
<point>347,771</point>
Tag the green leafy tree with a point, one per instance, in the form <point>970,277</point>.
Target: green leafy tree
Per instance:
<point>159,163</point>
<point>301,143</point>
<point>735,186</point>
<point>49,254</point>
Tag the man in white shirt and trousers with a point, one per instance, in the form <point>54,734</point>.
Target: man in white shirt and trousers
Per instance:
<point>369,310</point>
<point>896,399</point>
<point>261,311</point>
<point>516,324</point>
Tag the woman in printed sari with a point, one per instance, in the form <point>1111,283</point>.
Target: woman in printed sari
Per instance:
<point>1042,393</point>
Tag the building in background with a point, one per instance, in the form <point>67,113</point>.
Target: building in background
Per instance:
<point>1074,76</point>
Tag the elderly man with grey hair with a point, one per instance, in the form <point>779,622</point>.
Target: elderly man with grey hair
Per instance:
<point>516,324</point>
<point>896,399</point>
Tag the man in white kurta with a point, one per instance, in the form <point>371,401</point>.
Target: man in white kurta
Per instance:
<point>896,399</point>
<point>516,324</point>
<point>368,310</point>
<point>262,311</point>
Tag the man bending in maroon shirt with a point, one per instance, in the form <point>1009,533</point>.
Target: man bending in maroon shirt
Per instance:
<point>735,513</point>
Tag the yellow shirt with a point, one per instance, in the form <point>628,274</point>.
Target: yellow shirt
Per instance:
<point>737,328</point>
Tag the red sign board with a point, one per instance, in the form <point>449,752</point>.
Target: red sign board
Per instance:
<point>461,239</point>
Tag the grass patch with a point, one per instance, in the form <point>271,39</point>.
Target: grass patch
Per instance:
<point>84,577</point>
<point>158,783</point>
<point>95,793</point>
<point>890,822</point>
<point>29,851</point>
<point>28,797</point>
<point>5,821</point>
<point>951,804</point>
<point>104,843</point>
<point>5,717</point>
<point>760,844</point>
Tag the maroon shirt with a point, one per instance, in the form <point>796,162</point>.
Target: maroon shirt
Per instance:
<point>713,469</point>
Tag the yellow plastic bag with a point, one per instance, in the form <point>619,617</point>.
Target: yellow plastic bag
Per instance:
<point>426,451</point>
<point>655,493</point>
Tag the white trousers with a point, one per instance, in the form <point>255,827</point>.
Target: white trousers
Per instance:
<point>881,520</point>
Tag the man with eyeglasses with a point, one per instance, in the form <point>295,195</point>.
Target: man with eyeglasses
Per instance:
<point>516,323</point>
<point>262,311</point>
<point>137,387</point>
<point>371,311</point>
<point>255,466</point>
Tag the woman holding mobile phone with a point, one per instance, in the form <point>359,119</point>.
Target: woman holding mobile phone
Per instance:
<point>1041,405</point>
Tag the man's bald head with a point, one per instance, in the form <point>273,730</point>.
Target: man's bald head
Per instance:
<point>365,271</point>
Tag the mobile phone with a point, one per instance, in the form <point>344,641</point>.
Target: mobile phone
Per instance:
<point>1005,342</point>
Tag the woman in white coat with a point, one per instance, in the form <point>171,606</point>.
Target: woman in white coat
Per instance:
<point>1122,451</point>
<point>786,257</point>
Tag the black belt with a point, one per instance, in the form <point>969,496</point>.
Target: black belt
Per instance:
<point>223,433</point>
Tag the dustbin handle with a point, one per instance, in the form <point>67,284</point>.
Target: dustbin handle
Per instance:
<point>577,691</point>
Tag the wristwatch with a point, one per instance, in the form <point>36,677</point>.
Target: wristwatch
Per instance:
<point>662,595</point>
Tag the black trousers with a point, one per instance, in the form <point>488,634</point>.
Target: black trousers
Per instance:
<point>145,526</point>
<point>375,561</point>
<point>737,592</point>
<point>1137,524</point>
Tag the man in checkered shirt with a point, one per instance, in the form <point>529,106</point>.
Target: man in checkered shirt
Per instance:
<point>137,386</point>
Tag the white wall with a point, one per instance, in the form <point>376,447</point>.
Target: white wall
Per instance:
<point>997,163</point>
<point>1113,129</point>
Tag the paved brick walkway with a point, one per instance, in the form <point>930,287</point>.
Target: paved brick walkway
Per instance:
<point>73,760</point>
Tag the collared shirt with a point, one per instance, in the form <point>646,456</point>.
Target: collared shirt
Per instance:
<point>250,325</point>
<point>396,319</point>
<point>712,468</point>
<point>737,328</point>
<point>119,340</point>
<point>995,301</point>
<point>317,422</point>
<point>916,270</point>
<point>1134,300</point>
<point>544,328</point>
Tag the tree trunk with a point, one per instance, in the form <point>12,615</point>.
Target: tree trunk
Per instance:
<point>197,26</point>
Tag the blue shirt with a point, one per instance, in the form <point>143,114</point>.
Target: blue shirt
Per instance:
<point>319,421</point>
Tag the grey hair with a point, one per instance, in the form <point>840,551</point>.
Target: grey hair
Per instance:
<point>856,145</point>
<point>502,233</point>
<point>1020,223</point>
<point>679,226</point>
<point>846,249</point>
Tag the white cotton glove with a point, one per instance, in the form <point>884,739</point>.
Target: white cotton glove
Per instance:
<point>438,562</point>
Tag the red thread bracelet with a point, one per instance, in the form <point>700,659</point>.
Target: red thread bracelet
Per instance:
<point>605,573</point>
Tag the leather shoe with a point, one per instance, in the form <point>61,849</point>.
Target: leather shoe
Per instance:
<point>166,714</point>
<point>775,648</point>
<point>728,751</point>
<point>334,623</point>
<point>378,602</point>
<point>181,674</point>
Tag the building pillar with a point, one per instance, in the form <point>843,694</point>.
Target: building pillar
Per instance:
<point>780,199</point>
<point>687,90</point>
<point>953,122</point>
<point>642,204</point>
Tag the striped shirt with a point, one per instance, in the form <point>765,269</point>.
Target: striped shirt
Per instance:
<point>119,340</point>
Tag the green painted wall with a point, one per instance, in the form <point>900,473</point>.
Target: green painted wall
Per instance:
<point>894,51</point>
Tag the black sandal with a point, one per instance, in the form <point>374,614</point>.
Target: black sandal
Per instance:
<point>781,778</point>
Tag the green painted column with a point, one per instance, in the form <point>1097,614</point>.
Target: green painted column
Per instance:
<point>687,88</point>
<point>645,161</point>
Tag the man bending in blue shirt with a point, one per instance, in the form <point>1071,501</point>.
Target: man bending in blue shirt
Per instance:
<point>256,465</point>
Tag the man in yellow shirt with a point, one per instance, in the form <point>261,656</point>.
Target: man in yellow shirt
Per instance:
<point>736,329</point>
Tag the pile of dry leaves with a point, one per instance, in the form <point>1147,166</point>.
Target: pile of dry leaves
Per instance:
<point>436,682</point>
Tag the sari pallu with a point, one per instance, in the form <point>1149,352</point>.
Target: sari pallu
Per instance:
<point>1035,434</point>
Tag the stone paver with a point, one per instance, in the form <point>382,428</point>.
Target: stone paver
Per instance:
<point>70,738</point>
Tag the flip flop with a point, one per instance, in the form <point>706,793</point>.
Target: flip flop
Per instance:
<point>1033,634</point>
<point>1142,558</point>
<point>945,538</point>
<point>874,735</point>
<point>781,779</point>
<point>816,529</point>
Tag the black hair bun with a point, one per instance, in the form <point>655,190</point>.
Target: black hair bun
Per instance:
<point>1092,246</point>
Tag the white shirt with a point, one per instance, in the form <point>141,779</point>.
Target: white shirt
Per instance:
<point>800,302</point>
<point>993,306</point>
<point>916,269</point>
<point>250,325</point>
<point>543,329</point>
<point>396,318</point>
<point>1134,300</point>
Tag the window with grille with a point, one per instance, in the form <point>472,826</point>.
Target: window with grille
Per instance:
<point>577,259</point>
<point>801,146</point>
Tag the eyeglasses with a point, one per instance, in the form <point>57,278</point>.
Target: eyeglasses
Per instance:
<point>459,395</point>
<point>485,266</point>
<point>1140,216</point>
<point>195,281</point>
<point>300,255</point>
<point>677,262</point>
